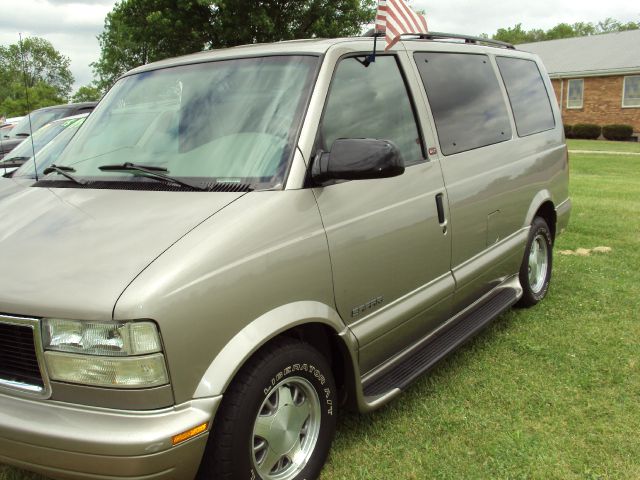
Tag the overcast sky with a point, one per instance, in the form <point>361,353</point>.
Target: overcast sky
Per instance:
<point>72,25</point>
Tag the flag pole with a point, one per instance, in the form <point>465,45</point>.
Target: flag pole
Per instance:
<point>382,6</point>
<point>372,58</point>
<point>375,46</point>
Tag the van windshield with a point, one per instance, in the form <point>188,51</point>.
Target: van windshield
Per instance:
<point>226,121</point>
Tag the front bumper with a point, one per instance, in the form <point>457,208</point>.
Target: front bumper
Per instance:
<point>65,441</point>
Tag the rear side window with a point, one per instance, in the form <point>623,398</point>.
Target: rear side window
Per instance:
<point>371,102</point>
<point>528,96</point>
<point>466,101</point>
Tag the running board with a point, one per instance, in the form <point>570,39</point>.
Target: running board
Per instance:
<point>426,356</point>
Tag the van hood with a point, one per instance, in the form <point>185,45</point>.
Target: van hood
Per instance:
<point>71,252</point>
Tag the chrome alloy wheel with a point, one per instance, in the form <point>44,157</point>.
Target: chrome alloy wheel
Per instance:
<point>286,430</point>
<point>538,263</point>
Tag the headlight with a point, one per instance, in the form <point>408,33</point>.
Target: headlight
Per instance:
<point>105,354</point>
<point>133,372</point>
<point>114,339</point>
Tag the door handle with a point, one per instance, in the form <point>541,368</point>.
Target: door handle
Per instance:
<point>440,206</point>
<point>441,216</point>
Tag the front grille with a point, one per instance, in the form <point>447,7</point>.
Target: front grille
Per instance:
<point>18,359</point>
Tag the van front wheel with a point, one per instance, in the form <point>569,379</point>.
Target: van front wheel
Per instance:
<point>535,271</point>
<point>277,418</point>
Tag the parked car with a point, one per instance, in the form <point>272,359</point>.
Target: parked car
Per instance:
<point>9,123</point>
<point>239,243</point>
<point>51,151</point>
<point>62,129</point>
<point>4,131</point>
<point>11,139</point>
<point>6,145</point>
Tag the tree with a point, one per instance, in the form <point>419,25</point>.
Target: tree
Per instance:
<point>517,34</point>
<point>239,22</point>
<point>137,32</point>
<point>562,30</point>
<point>42,63</point>
<point>47,76</point>
<point>141,31</point>
<point>14,103</point>
<point>87,93</point>
<point>583,29</point>
<point>513,35</point>
<point>610,25</point>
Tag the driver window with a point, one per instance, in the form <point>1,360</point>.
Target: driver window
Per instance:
<point>371,102</point>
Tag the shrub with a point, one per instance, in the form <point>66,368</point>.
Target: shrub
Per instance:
<point>617,132</point>
<point>587,131</point>
<point>568,131</point>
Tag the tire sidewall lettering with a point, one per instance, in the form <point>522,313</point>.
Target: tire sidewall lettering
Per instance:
<point>309,371</point>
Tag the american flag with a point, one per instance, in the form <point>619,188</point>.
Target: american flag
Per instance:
<point>396,18</point>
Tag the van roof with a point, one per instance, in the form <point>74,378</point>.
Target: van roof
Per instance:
<point>313,46</point>
<point>319,46</point>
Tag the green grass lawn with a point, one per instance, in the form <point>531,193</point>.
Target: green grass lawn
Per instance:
<point>604,146</point>
<point>547,393</point>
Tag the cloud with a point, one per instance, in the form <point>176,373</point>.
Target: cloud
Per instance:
<point>474,17</point>
<point>82,2</point>
<point>71,26</point>
<point>45,17</point>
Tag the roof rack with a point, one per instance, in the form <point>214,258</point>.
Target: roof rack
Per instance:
<point>451,36</point>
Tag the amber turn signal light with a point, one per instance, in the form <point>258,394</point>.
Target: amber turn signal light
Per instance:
<point>184,436</point>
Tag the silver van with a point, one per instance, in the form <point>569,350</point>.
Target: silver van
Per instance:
<point>237,244</point>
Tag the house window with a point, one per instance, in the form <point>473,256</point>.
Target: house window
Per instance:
<point>576,93</point>
<point>631,92</point>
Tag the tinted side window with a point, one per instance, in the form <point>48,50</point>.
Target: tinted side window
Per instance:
<point>371,102</point>
<point>527,94</point>
<point>466,100</point>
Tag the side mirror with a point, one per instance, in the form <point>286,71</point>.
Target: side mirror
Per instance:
<point>358,159</point>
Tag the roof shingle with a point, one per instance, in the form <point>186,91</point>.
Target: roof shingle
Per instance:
<point>606,54</point>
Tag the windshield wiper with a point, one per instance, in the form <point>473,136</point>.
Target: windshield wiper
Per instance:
<point>65,172</point>
<point>152,171</point>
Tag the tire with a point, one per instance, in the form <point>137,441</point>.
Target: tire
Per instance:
<point>535,271</point>
<point>288,384</point>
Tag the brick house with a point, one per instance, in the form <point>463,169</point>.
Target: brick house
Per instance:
<point>596,78</point>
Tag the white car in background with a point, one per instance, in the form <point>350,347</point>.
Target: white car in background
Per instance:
<point>47,144</point>
<point>9,122</point>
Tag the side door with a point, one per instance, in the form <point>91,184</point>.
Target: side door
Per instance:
<point>481,168</point>
<point>389,250</point>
